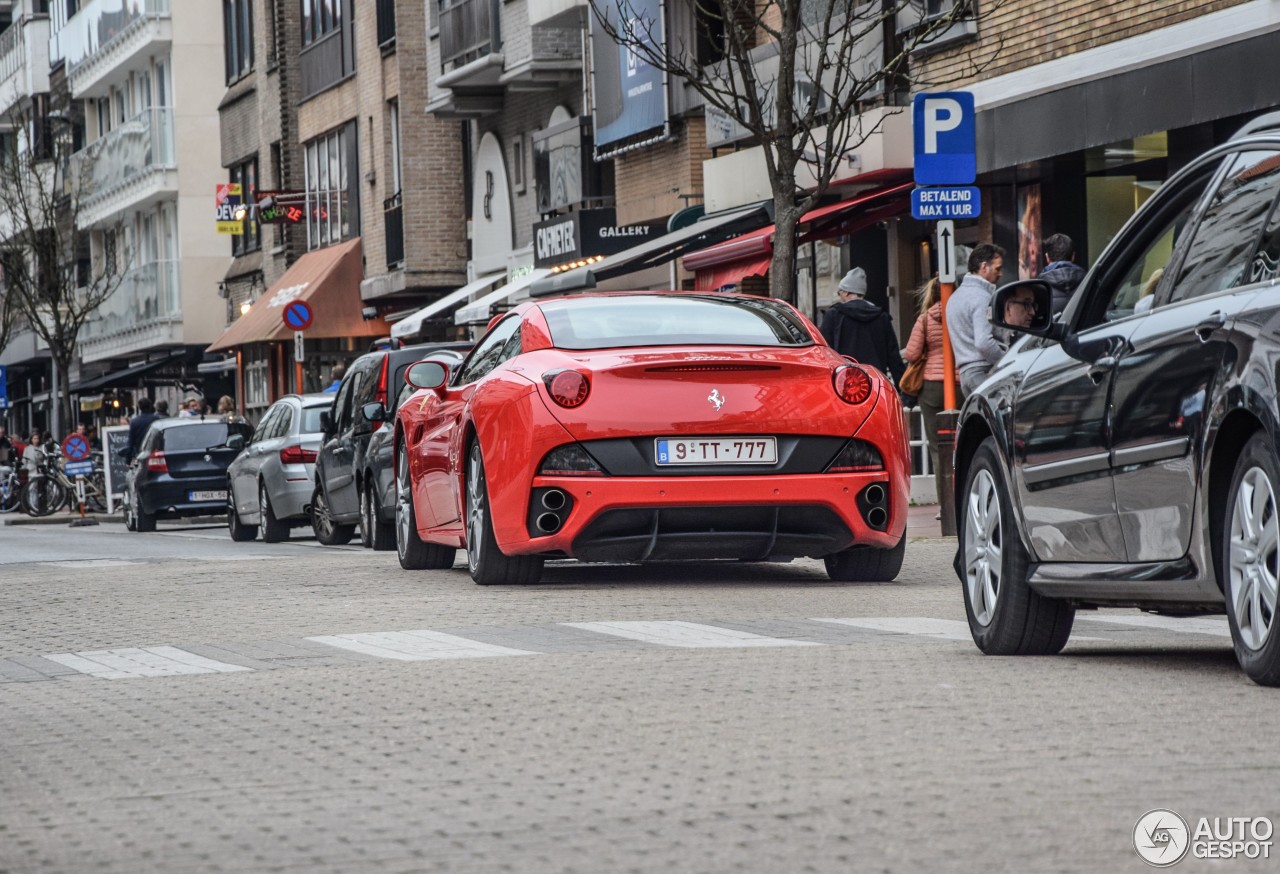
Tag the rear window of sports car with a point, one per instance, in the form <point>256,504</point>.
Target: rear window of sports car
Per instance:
<point>671,320</point>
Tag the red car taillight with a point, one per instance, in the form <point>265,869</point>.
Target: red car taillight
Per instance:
<point>297,455</point>
<point>858,456</point>
<point>852,383</point>
<point>156,463</point>
<point>568,388</point>
<point>381,394</point>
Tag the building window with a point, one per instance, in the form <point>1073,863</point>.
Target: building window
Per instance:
<point>246,175</point>
<point>517,164</point>
<point>237,23</point>
<point>333,211</point>
<point>319,19</point>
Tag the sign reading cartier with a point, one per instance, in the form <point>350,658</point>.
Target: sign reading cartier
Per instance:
<point>583,234</point>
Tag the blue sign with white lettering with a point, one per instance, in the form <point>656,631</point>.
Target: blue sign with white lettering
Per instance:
<point>4,388</point>
<point>946,143</point>
<point>931,204</point>
<point>78,468</point>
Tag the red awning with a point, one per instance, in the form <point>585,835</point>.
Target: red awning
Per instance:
<point>823,222</point>
<point>329,280</point>
<point>716,278</point>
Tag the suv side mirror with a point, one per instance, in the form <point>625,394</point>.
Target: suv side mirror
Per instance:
<point>235,441</point>
<point>427,374</point>
<point>1025,307</point>
<point>374,412</point>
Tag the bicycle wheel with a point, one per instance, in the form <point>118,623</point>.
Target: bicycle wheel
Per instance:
<point>95,493</point>
<point>10,495</point>
<point>43,496</point>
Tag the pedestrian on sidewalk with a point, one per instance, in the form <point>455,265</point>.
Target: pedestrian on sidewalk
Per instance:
<point>926,345</point>
<point>968,318</point>
<point>858,328</point>
<point>1061,272</point>
<point>138,427</point>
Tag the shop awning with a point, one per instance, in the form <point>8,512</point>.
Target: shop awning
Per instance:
<point>716,278</point>
<point>699,235</point>
<point>126,376</point>
<point>329,280</point>
<point>412,324</point>
<point>480,310</point>
<point>820,223</point>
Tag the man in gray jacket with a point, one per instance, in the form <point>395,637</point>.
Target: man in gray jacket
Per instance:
<point>968,324</point>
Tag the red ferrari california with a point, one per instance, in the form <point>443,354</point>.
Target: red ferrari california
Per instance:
<point>651,426</point>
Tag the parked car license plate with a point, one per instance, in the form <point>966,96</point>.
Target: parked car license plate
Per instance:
<point>206,496</point>
<point>716,450</point>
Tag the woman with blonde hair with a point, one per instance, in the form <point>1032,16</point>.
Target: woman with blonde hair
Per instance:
<point>926,344</point>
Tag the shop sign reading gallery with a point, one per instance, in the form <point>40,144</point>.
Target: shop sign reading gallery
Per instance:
<point>588,233</point>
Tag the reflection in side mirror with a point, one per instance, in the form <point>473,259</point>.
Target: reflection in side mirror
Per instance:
<point>236,442</point>
<point>374,412</point>
<point>1025,307</point>
<point>427,374</point>
<point>326,421</point>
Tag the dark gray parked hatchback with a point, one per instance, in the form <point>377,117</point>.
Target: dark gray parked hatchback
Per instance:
<point>1126,454</point>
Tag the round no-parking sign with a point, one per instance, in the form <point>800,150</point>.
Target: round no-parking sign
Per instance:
<point>75,448</point>
<point>297,315</point>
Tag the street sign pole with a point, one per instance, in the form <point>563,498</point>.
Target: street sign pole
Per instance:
<point>299,356</point>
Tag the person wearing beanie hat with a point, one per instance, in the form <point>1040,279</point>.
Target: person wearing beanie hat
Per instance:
<point>858,328</point>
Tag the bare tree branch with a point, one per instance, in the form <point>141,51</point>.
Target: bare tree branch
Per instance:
<point>797,76</point>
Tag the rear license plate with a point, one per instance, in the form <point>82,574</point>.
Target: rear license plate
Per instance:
<point>206,496</point>
<point>716,450</point>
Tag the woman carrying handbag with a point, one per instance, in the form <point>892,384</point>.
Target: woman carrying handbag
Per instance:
<point>924,356</point>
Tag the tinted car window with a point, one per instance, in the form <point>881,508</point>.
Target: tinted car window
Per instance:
<point>311,418</point>
<point>285,423</point>
<point>670,320</point>
<point>1219,255</point>
<point>263,431</point>
<point>490,353</point>
<point>201,436</point>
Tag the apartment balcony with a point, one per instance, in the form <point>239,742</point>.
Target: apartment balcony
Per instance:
<point>24,61</point>
<point>132,166</point>
<point>145,311</point>
<point>558,13</point>
<point>108,39</point>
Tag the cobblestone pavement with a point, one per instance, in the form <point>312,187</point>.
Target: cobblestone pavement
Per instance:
<point>313,709</point>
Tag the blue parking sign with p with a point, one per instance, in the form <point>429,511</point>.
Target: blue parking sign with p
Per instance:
<point>945,138</point>
<point>4,389</point>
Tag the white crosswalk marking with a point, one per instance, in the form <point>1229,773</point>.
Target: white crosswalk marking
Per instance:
<point>923,626</point>
<point>152,661</point>
<point>414,646</point>
<point>685,634</point>
<point>1214,625</point>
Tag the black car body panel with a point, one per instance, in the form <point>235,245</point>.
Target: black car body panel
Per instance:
<point>355,448</point>
<point>1118,430</point>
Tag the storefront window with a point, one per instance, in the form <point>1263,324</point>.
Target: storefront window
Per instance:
<point>1120,178</point>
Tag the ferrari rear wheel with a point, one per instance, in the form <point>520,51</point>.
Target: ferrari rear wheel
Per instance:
<point>867,564</point>
<point>487,563</point>
<point>415,554</point>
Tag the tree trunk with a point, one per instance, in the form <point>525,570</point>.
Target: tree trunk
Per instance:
<point>782,269</point>
<point>63,390</point>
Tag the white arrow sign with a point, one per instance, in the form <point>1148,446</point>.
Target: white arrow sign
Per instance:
<point>947,252</point>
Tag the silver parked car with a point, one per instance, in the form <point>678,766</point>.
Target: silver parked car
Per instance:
<point>269,484</point>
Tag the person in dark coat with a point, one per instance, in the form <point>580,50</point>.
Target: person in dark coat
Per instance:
<point>1060,272</point>
<point>138,426</point>
<point>858,328</point>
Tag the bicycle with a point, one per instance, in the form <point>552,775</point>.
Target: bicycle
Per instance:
<point>50,489</point>
<point>10,489</point>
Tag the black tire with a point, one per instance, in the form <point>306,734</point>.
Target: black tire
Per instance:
<point>130,523</point>
<point>867,564</point>
<point>374,533</point>
<point>415,554</point>
<point>273,530</point>
<point>42,496</point>
<point>1251,561</point>
<point>1005,616</point>
<point>240,532</point>
<point>328,532</point>
<point>142,521</point>
<point>487,563</point>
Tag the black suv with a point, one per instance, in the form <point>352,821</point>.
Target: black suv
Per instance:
<point>353,481</point>
<point>1125,454</point>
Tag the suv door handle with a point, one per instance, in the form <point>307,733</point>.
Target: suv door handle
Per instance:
<point>1100,368</point>
<point>1207,326</point>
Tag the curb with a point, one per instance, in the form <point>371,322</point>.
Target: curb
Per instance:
<point>67,519</point>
